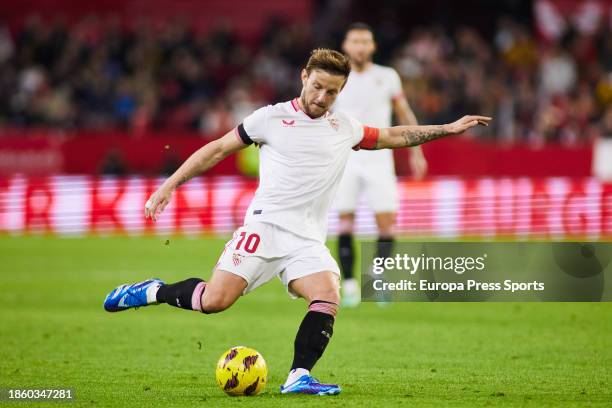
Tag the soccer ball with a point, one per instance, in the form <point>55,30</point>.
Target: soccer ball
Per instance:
<point>242,371</point>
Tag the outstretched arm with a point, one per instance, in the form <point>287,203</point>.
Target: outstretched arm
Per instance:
<point>200,161</point>
<point>406,136</point>
<point>405,116</point>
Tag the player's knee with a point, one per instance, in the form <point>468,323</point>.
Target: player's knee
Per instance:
<point>346,225</point>
<point>386,224</point>
<point>386,231</point>
<point>331,295</point>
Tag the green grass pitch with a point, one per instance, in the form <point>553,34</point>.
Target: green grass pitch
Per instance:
<point>54,333</point>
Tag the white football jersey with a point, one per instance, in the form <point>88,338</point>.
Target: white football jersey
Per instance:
<point>301,163</point>
<point>367,96</point>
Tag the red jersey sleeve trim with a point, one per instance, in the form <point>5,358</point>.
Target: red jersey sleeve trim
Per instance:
<point>370,138</point>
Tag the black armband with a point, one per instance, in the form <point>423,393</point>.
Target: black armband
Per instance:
<point>244,135</point>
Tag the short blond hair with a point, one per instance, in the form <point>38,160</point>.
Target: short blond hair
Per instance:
<point>330,61</point>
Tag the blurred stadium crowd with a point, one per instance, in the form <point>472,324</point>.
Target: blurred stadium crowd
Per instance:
<point>98,74</point>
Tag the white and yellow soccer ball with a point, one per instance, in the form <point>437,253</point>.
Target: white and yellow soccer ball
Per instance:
<point>242,371</point>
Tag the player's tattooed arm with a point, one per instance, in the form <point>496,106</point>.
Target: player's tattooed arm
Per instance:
<point>413,137</point>
<point>406,136</point>
<point>405,116</point>
<point>200,161</point>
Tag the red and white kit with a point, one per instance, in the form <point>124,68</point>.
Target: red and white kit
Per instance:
<point>301,163</point>
<point>368,96</point>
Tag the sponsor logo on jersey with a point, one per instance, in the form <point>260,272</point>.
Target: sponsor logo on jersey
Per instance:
<point>288,122</point>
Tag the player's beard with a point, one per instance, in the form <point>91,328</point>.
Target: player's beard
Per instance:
<point>361,63</point>
<point>307,107</point>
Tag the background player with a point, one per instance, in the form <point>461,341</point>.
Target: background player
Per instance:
<point>285,226</point>
<point>371,94</point>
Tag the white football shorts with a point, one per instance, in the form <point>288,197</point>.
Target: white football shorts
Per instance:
<point>378,184</point>
<point>258,252</point>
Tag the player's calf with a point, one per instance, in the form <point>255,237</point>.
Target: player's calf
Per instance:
<point>223,289</point>
<point>185,294</point>
<point>346,253</point>
<point>384,246</point>
<point>350,287</point>
<point>216,302</point>
<point>311,340</point>
<point>314,334</point>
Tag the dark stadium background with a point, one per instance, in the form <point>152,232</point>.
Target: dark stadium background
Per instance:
<point>100,100</point>
<point>133,87</point>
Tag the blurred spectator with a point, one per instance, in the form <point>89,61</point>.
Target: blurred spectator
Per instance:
<point>606,123</point>
<point>557,71</point>
<point>102,73</point>
<point>113,164</point>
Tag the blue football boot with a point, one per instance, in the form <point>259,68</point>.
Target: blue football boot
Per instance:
<point>128,296</point>
<point>307,384</point>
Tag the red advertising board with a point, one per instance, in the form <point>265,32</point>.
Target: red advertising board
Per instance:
<point>42,153</point>
<point>552,208</point>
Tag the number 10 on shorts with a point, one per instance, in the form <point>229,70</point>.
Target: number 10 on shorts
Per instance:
<point>251,244</point>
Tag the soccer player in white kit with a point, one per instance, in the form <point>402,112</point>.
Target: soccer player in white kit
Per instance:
<point>304,149</point>
<point>371,93</point>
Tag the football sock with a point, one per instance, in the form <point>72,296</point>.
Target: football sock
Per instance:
<point>185,294</point>
<point>152,294</point>
<point>350,287</point>
<point>314,333</point>
<point>295,374</point>
<point>346,253</point>
<point>384,246</point>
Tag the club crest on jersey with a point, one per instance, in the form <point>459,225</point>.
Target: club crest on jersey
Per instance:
<point>237,259</point>
<point>333,122</point>
<point>288,122</point>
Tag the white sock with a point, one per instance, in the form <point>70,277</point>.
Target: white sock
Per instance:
<point>295,374</point>
<point>350,287</point>
<point>152,294</point>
